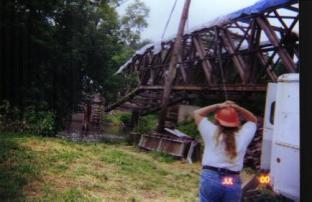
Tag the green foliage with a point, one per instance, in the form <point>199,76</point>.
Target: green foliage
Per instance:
<point>8,116</point>
<point>146,123</point>
<point>62,42</point>
<point>34,121</point>
<point>162,157</point>
<point>117,118</point>
<point>126,118</point>
<point>189,128</point>
<point>112,119</point>
<point>39,122</point>
<point>134,21</point>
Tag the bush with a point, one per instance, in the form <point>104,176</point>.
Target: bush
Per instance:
<point>189,128</point>
<point>9,117</point>
<point>146,124</point>
<point>39,122</point>
<point>125,118</point>
<point>118,118</point>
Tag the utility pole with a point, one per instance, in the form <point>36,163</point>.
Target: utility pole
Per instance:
<point>171,73</point>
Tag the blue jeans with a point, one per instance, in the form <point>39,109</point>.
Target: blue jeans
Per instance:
<point>215,187</point>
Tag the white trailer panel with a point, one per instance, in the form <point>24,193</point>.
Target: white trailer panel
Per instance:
<point>285,169</point>
<point>268,126</point>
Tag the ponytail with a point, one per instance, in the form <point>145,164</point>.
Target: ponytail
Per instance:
<point>228,139</point>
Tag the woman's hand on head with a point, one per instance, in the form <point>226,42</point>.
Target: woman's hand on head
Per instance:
<point>229,102</point>
<point>222,105</point>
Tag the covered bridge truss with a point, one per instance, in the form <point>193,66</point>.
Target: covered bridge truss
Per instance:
<point>238,54</point>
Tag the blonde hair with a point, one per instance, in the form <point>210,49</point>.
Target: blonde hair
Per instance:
<point>228,134</point>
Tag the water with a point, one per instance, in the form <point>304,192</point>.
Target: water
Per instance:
<point>114,130</point>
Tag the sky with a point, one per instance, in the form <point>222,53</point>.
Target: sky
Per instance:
<point>201,11</point>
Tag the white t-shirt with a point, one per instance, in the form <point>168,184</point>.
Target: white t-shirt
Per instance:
<point>215,154</point>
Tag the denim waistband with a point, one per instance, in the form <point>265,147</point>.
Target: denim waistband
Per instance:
<point>221,170</point>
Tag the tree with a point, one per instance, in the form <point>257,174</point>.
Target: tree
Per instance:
<point>47,48</point>
<point>134,22</point>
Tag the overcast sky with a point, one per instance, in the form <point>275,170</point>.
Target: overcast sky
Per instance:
<point>201,11</point>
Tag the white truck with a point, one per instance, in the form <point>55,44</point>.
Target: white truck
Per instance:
<point>281,142</point>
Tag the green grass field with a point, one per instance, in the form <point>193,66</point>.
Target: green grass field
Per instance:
<point>36,168</point>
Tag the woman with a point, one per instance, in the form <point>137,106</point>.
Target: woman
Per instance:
<point>226,142</point>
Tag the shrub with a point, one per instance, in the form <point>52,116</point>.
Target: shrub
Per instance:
<point>146,124</point>
<point>125,118</point>
<point>40,122</point>
<point>189,128</point>
<point>33,121</point>
<point>117,118</point>
<point>9,117</point>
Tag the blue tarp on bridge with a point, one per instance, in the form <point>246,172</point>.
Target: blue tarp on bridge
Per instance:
<point>259,7</point>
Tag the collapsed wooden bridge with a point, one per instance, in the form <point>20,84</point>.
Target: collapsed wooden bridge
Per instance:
<point>237,54</point>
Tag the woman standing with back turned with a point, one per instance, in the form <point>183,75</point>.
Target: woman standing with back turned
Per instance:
<point>226,142</point>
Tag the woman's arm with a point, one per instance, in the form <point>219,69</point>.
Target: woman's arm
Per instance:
<point>246,114</point>
<point>199,114</point>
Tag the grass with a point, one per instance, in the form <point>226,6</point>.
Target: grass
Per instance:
<point>35,168</point>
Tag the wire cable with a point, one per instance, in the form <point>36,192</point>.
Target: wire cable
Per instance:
<point>219,50</point>
<point>166,26</point>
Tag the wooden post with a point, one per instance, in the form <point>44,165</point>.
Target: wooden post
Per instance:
<point>170,76</point>
<point>134,119</point>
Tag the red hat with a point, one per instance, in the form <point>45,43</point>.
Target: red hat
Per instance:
<point>228,117</point>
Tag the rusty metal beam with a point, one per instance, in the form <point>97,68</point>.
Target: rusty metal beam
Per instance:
<point>232,87</point>
<point>271,74</point>
<point>292,8</point>
<point>206,65</point>
<point>157,107</point>
<point>182,69</point>
<point>237,60</point>
<point>280,19</point>
<point>123,100</point>
<point>286,59</point>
